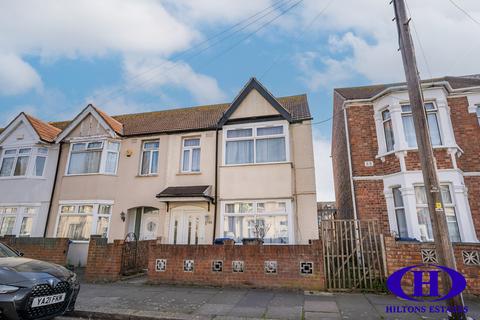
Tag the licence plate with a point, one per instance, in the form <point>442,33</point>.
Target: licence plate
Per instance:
<point>47,300</point>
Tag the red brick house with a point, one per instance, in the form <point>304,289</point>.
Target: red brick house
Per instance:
<point>375,159</point>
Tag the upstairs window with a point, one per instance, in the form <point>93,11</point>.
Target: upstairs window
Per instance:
<point>191,155</point>
<point>388,130</point>
<point>262,144</point>
<point>150,157</point>
<point>94,157</point>
<point>432,120</point>
<point>17,162</point>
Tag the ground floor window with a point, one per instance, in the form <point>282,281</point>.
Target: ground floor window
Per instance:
<point>423,214</point>
<point>78,221</point>
<point>17,220</point>
<point>268,220</point>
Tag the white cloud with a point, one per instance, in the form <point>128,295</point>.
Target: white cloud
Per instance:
<point>17,76</point>
<point>367,37</point>
<point>323,167</point>
<point>139,75</point>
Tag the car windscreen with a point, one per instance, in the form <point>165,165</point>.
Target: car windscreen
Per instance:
<point>6,251</point>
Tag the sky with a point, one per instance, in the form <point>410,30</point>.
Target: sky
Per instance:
<point>126,56</point>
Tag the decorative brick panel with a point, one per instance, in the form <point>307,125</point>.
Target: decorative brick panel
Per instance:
<point>53,250</point>
<point>442,158</point>
<point>259,262</point>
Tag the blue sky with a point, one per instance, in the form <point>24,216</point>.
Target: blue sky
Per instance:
<point>57,56</point>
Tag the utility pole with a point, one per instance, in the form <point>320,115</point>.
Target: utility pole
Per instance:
<point>443,244</point>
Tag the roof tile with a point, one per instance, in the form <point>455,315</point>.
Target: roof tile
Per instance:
<point>45,131</point>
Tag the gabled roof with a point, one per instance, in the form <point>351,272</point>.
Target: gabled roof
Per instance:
<point>45,131</point>
<point>204,117</point>
<point>254,84</point>
<point>368,92</point>
<point>110,124</point>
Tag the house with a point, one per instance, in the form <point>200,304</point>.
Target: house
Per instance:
<point>376,164</point>
<point>28,163</point>
<point>239,170</point>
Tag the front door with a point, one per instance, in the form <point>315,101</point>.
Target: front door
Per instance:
<point>149,224</point>
<point>187,226</point>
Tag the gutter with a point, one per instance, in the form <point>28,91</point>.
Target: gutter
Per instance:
<point>216,186</point>
<point>53,189</point>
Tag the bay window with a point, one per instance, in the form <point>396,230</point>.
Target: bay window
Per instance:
<point>191,155</point>
<point>267,220</point>
<point>149,158</point>
<point>93,157</point>
<point>40,161</point>
<point>423,215</point>
<point>17,221</point>
<point>388,130</point>
<point>432,120</point>
<point>79,221</point>
<point>402,231</point>
<point>257,144</point>
<point>15,162</point>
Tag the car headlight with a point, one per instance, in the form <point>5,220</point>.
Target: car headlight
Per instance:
<point>73,278</point>
<point>7,289</point>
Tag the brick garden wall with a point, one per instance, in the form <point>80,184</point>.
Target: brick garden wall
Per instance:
<point>401,254</point>
<point>166,265</point>
<point>53,250</point>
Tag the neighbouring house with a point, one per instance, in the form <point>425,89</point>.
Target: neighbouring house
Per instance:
<point>375,158</point>
<point>240,170</point>
<point>28,162</point>
<point>326,210</point>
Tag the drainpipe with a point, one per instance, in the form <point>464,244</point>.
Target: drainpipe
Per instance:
<point>53,189</point>
<point>352,188</point>
<point>216,185</point>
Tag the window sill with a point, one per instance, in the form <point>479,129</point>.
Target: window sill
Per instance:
<point>22,178</point>
<point>91,174</point>
<point>188,173</point>
<point>256,164</point>
<point>146,175</point>
<point>378,156</point>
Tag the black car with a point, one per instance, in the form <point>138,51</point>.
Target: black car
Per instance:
<point>33,289</point>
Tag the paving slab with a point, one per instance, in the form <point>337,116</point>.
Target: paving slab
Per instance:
<point>277,312</point>
<point>321,316</point>
<point>214,309</point>
<point>248,312</point>
<point>321,306</point>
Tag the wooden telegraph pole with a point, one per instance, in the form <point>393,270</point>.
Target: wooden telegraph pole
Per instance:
<point>443,245</point>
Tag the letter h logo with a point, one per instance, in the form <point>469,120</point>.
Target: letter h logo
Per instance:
<point>432,283</point>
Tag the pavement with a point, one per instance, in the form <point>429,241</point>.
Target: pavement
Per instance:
<point>134,299</point>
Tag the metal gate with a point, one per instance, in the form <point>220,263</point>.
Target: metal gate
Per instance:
<point>354,255</point>
<point>133,255</point>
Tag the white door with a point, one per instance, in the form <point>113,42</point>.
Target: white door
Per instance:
<point>187,226</point>
<point>149,222</point>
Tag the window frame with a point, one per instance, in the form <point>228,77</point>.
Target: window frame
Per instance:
<point>103,157</point>
<point>446,205</point>
<point>95,214</point>
<point>254,137</point>
<point>190,155</point>
<point>32,154</point>
<point>397,207</point>
<point>478,113</point>
<point>427,112</point>
<point>288,214</point>
<point>150,158</point>
<point>384,121</point>
<point>19,214</point>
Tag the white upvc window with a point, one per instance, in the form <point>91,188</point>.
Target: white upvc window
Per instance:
<point>399,207</point>
<point>93,157</point>
<point>260,143</point>
<point>388,130</point>
<point>432,120</point>
<point>17,221</point>
<point>423,215</point>
<point>269,220</point>
<point>23,162</point>
<point>191,155</point>
<point>149,165</point>
<point>78,221</point>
